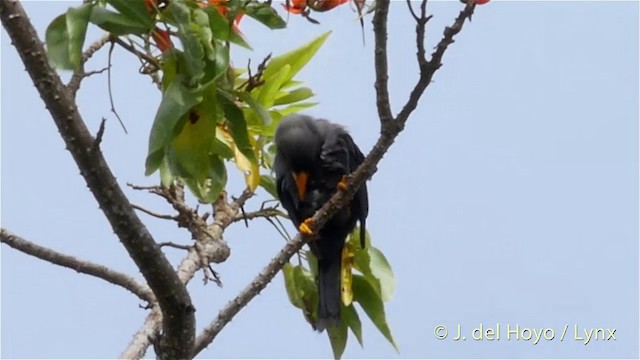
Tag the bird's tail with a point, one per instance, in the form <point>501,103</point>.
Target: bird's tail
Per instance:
<point>329,298</point>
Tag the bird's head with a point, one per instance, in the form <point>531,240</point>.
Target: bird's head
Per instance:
<point>298,141</point>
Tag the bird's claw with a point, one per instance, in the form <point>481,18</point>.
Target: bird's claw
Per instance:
<point>342,184</point>
<point>305,227</point>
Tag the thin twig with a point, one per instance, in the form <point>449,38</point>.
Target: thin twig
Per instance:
<point>216,276</point>
<point>428,69</point>
<point>150,188</point>
<point>413,13</point>
<point>211,275</point>
<point>79,74</point>
<point>95,72</point>
<point>174,245</point>
<point>263,213</point>
<point>283,234</point>
<point>288,237</point>
<point>153,213</point>
<point>253,81</point>
<point>154,74</point>
<point>244,217</point>
<point>100,133</point>
<point>136,52</point>
<point>81,266</point>
<point>113,108</point>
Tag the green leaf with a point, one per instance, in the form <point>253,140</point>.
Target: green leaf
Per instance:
<point>189,157</point>
<point>166,177</point>
<point>296,108</point>
<point>296,95</point>
<point>207,189</point>
<point>372,263</point>
<point>220,148</point>
<point>237,126</point>
<point>338,339</point>
<point>352,320</point>
<point>354,238</point>
<point>269,184</point>
<point>290,285</point>
<point>291,83</point>
<point>77,21</point>
<point>370,301</point>
<point>222,29</point>
<point>176,102</point>
<point>258,111</point>
<point>302,290</point>
<point>265,14</point>
<point>57,38</point>
<point>201,19</point>
<point>134,10</point>
<point>277,115</point>
<point>269,91</point>
<point>267,157</point>
<point>296,58</point>
<point>170,59</point>
<point>220,60</point>
<point>115,23</point>
<point>193,46</point>
<point>219,181</point>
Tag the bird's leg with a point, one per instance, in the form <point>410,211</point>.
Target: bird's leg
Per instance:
<point>306,227</point>
<point>342,184</point>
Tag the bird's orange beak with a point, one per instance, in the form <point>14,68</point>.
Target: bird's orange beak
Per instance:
<point>301,182</point>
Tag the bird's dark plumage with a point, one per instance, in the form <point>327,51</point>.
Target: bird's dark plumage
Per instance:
<point>312,157</point>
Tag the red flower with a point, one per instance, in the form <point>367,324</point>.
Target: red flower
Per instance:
<point>326,5</point>
<point>295,6</point>
<point>162,39</point>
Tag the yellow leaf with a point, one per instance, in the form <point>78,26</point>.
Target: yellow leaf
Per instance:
<point>348,252</point>
<point>250,170</point>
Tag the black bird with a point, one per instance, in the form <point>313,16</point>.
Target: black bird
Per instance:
<point>312,159</point>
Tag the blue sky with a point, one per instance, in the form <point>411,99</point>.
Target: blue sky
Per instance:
<point>511,198</point>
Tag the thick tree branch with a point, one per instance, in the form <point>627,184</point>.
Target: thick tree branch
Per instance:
<point>172,295</point>
<point>380,57</point>
<point>390,130</point>
<point>81,266</point>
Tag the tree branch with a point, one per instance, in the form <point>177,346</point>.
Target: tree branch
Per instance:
<point>224,215</point>
<point>380,57</point>
<point>79,74</point>
<point>217,249</point>
<point>81,266</point>
<point>262,213</point>
<point>172,295</point>
<point>428,68</point>
<point>390,130</point>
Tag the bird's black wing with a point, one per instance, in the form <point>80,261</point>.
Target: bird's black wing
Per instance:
<point>341,156</point>
<point>286,191</point>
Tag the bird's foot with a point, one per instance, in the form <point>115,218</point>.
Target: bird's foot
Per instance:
<point>306,226</point>
<point>342,184</point>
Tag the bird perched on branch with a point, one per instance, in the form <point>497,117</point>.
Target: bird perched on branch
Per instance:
<point>313,158</point>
